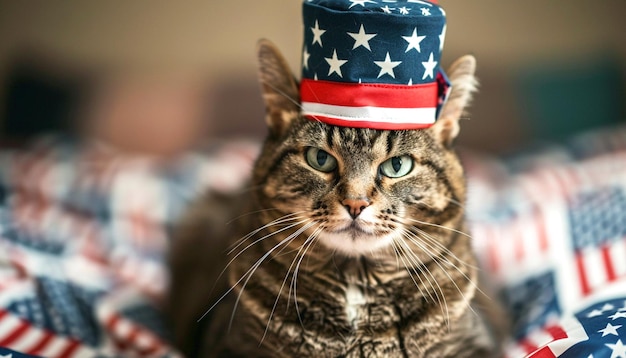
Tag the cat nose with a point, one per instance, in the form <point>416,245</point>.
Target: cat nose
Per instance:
<point>355,206</point>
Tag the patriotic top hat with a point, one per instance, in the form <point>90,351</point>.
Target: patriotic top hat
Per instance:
<point>373,63</point>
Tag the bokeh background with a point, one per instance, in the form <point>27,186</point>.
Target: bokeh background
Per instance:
<point>161,76</point>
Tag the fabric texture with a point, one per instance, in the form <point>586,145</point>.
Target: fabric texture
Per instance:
<point>83,238</point>
<point>550,231</point>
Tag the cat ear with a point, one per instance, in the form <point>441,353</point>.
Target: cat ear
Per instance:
<point>464,84</point>
<point>279,87</point>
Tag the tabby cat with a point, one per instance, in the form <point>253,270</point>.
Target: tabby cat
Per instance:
<point>351,242</point>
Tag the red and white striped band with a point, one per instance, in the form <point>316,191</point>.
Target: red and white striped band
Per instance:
<point>370,105</point>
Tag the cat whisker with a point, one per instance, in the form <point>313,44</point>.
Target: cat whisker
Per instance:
<point>433,241</point>
<point>441,247</point>
<point>241,252</point>
<point>421,242</point>
<point>289,270</point>
<point>282,93</point>
<point>401,252</point>
<point>282,220</point>
<point>229,222</point>
<point>417,271</point>
<point>441,227</point>
<point>456,202</point>
<point>258,263</point>
<point>294,279</point>
<point>419,266</point>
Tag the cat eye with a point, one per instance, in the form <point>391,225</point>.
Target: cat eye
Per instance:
<point>321,160</point>
<point>397,167</point>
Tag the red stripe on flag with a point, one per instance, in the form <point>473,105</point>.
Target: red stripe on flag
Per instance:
<point>557,332</point>
<point>72,346</point>
<point>132,335</point>
<point>608,263</point>
<point>528,346</point>
<point>41,344</point>
<point>15,334</point>
<point>582,274</point>
<point>544,352</point>
<point>369,94</point>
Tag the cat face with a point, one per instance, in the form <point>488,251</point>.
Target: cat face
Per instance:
<point>358,191</point>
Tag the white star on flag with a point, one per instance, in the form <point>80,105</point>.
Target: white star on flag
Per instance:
<point>594,313</point>
<point>610,329</point>
<point>317,34</point>
<point>404,10</point>
<point>617,315</point>
<point>429,67</point>
<point>360,2</point>
<point>618,350</point>
<point>387,66</point>
<point>607,307</point>
<point>361,38</point>
<point>335,64</point>
<point>425,11</point>
<point>414,41</point>
<point>305,58</point>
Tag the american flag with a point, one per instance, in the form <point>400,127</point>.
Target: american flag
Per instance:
<point>374,64</point>
<point>553,239</point>
<point>83,236</point>
<point>596,331</point>
<point>598,224</point>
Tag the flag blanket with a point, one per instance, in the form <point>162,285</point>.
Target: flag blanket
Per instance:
<point>83,238</point>
<point>550,232</point>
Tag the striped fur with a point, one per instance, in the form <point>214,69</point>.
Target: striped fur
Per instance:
<point>305,279</point>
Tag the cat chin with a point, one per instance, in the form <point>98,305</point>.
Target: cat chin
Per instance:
<point>355,243</point>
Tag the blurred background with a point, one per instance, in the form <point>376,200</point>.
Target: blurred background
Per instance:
<point>162,76</point>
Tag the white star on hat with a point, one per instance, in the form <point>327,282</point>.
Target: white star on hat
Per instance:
<point>386,9</point>
<point>442,37</point>
<point>429,67</point>
<point>387,66</point>
<point>305,58</point>
<point>361,38</point>
<point>335,64</point>
<point>317,34</point>
<point>414,41</point>
<point>360,2</point>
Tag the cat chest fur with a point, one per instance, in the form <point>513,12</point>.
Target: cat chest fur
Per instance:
<point>355,315</point>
